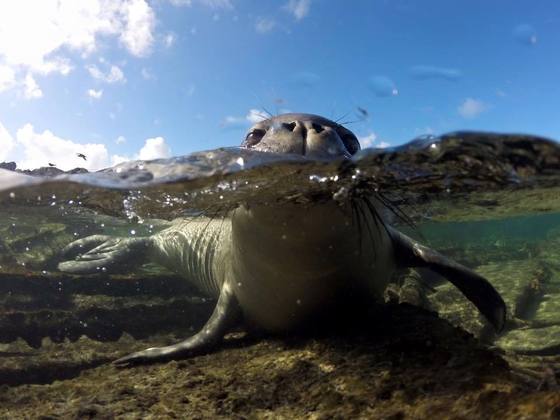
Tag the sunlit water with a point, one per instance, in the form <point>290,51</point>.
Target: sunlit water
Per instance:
<point>491,202</point>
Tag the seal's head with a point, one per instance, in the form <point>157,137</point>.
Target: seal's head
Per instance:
<point>303,134</point>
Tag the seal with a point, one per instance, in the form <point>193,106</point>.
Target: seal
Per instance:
<point>281,269</point>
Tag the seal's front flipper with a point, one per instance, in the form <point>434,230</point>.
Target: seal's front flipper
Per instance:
<point>226,313</point>
<point>89,255</point>
<point>475,287</point>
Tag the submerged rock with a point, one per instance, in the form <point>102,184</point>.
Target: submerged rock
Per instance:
<point>409,364</point>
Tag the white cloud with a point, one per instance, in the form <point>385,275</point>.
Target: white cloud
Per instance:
<point>31,149</point>
<point>38,149</point>
<point>113,75</point>
<point>95,94</point>
<point>154,148</point>
<point>139,26</point>
<point>367,141</point>
<point>116,159</point>
<point>36,36</point>
<point>7,143</point>
<point>471,108</point>
<point>298,8</point>
<point>7,77</point>
<point>264,25</point>
<point>169,40</point>
<point>383,145</point>
<point>212,4</point>
<point>31,88</point>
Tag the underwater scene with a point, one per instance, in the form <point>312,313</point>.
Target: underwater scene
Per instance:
<point>487,201</point>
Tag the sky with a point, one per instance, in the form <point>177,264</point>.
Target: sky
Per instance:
<point>120,80</point>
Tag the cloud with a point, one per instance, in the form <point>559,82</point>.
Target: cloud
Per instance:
<point>154,148</point>
<point>95,94</point>
<point>525,34</point>
<point>7,143</point>
<point>264,25</point>
<point>471,108</point>
<point>431,72</point>
<point>212,4</point>
<point>169,40</point>
<point>38,149</point>
<point>298,8</point>
<point>31,88</point>
<point>36,37</point>
<point>138,29</point>
<point>382,86</point>
<point>7,77</point>
<point>113,75</point>
<point>367,141</point>
<point>383,145</point>
<point>116,159</point>
<point>32,149</point>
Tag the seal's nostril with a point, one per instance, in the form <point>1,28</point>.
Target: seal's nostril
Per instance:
<point>318,128</point>
<point>289,126</point>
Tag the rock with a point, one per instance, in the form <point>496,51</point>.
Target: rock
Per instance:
<point>519,283</point>
<point>10,166</point>
<point>538,341</point>
<point>44,171</point>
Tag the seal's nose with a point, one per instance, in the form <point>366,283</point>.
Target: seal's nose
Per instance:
<point>323,142</point>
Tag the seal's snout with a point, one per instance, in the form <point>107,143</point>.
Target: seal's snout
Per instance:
<point>303,134</point>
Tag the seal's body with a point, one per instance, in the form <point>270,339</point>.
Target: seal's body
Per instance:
<point>281,268</point>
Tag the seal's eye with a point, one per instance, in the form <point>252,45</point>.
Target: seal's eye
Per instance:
<point>254,137</point>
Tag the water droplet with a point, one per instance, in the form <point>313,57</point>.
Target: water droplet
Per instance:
<point>284,236</point>
<point>298,301</point>
<point>133,232</point>
<point>12,195</point>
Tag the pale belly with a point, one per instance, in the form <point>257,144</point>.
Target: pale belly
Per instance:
<point>290,269</point>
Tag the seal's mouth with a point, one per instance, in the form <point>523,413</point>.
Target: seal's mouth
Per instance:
<point>303,134</point>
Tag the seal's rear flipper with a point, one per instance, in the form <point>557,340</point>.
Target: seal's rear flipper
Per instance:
<point>226,313</point>
<point>475,287</point>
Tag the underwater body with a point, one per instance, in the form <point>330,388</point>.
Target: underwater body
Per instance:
<point>488,201</point>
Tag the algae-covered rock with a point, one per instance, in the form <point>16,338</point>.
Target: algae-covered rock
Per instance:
<point>519,283</point>
<point>403,363</point>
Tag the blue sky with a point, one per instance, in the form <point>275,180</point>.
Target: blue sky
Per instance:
<point>127,79</point>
